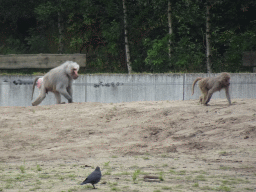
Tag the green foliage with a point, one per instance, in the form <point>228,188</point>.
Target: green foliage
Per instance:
<point>157,54</point>
<point>45,10</point>
<point>37,42</point>
<point>12,46</point>
<point>188,56</point>
<point>237,44</point>
<point>97,29</point>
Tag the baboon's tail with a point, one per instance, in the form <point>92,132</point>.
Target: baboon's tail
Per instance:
<point>197,79</point>
<point>34,86</point>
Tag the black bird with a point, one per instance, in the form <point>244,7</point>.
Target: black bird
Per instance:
<point>93,178</point>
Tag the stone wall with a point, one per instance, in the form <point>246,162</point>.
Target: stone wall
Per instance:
<point>115,88</point>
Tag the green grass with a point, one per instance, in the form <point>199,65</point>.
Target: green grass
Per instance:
<point>119,176</point>
<point>44,176</point>
<point>166,188</point>
<point>22,168</point>
<point>224,188</point>
<point>135,175</point>
<point>161,176</point>
<point>224,168</point>
<point>106,164</point>
<point>200,178</point>
<point>38,168</point>
<point>195,185</point>
<point>107,173</point>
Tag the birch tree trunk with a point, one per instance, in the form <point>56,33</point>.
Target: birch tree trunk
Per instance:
<point>208,40</point>
<point>170,30</point>
<point>127,51</point>
<point>61,28</point>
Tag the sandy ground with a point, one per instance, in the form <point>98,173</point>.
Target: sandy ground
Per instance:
<point>187,146</point>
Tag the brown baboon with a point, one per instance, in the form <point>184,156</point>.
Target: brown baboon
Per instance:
<point>209,85</point>
<point>59,81</point>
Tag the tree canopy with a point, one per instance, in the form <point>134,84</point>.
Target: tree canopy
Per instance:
<point>97,28</point>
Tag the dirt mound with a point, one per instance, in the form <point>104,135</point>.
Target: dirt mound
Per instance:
<point>79,129</point>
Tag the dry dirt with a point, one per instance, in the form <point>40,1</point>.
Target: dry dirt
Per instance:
<point>187,146</point>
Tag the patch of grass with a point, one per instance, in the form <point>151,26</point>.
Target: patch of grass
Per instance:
<point>115,189</point>
<point>166,188</point>
<point>189,178</point>
<point>206,188</point>
<point>107,173</point>
<point>179,186</point>
<point>114,156</point>
<point>106,164</point>
<point>22,168</point>
<point>157,190</point>
<point>135,175</point>
<point>44,176</point>
<point>35,188</point>
<point>72,176</point>
<point>145,158</point>
<point>123,173</point>
<point>61,178</point>
<point>9,186</point>
<point>164,156</point>
<point>226,182</point>
<point>200,178</point>
<point>87,187</point>
<point>38,182</point>
<point>23,177</point>
<point>225,167</point>
<point>38,168</point>
<point>161,176</point>
<point>73,189</point>
<point>195,185</point>
<point>224,188</point>
<point>200,171</point>
<point>112,184</point>
<point>173,172</point>
<point>183,172</point>
<point>165,165</point>
<point>134,167</point>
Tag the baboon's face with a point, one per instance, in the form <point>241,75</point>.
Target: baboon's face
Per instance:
<point>227,81</point>
<point>74,73</point>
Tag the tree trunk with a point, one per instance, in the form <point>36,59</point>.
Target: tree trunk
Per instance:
<point>128,61</point>
<point>208,40</point>
<point>61,28</point>
<point>170,30</point>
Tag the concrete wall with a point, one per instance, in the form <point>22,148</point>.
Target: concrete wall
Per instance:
<point>18,61</point>
<point>114,88</point>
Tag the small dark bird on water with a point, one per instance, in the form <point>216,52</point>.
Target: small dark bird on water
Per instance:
<point>93,178</point>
